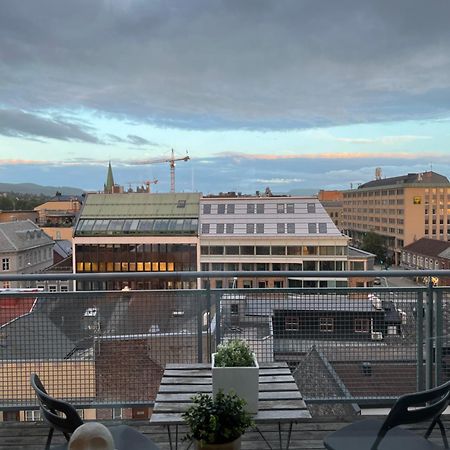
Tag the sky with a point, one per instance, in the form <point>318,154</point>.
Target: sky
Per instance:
<point>286,94</point>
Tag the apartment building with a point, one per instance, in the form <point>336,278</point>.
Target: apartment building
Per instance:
<point>401,209</point>
<point>24,249</point>
<point>58,215</point>
<point>137,232</point>
<point>332,201</point>
<point>270,233</point>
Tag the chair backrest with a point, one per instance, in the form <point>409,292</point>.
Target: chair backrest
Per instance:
<point>417,407</point>
<point>59,414</point>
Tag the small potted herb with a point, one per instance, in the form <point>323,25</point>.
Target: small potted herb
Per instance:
<point>217,422</point>
<point>234,367</point>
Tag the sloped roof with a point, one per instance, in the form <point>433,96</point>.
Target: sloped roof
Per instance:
<point>21,235</point>
<point>411,178</point>
<point>429,247</point>
<point>140,205</point>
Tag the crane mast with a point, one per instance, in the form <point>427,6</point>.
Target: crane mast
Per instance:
<point>171,162</point>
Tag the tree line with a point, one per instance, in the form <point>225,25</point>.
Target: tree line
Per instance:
<point>14,201</point>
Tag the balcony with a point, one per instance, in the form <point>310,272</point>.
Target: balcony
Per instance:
<point>350,349</point>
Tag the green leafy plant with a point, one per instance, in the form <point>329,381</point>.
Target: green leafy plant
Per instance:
<point>234,353</point>
<point>217,420</point>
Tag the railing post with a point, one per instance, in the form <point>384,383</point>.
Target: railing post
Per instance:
<point>438,339</point>
<point>218,320</point>
<point>429,337</point>
<point>419,341</point>
<point>200,307</point>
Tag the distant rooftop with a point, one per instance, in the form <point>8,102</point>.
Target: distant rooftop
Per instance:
<point>411,178</point>
<point>429,247</point>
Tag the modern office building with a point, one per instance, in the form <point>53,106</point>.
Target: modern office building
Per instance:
<point>137,232</point>
<point>401,209</point>
<point>270,233</point>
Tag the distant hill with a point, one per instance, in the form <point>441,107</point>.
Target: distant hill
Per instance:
<point>36,189</point>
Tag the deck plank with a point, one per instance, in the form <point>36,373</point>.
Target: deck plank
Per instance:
<point>305,435</point>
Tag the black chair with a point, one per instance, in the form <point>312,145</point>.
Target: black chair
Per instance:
<point>372,434</point>
<point>62,416</point>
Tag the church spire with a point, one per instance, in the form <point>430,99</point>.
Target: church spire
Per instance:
<point>109,185</point>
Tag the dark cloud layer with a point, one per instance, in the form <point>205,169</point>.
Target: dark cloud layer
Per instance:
<point>18,123</point>
<point>228,64</point>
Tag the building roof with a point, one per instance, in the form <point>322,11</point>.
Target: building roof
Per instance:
<point>140,205</point>
<point>354,252</point>
<point>63,248</point>
<point>312,302</point>
<point>21,235</point>
<point>139,213</point>
<point>411,178</point>
<point>429,247</point>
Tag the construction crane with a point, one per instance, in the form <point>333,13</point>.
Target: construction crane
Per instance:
<point>171,162</point>
<point>147,184</point>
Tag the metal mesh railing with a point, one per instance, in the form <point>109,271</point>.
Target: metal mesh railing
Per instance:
<point>103,349</point>
<point>97,348</point>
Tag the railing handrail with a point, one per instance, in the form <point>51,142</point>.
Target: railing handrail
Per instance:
<point>227,274</point>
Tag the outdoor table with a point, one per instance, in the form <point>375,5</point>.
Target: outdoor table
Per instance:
<point>279,398</point>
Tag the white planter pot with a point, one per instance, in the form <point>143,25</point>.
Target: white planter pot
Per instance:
<point>244,381</point>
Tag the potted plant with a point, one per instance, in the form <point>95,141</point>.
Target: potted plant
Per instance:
<point>217,422</point>
<point>234,367</point>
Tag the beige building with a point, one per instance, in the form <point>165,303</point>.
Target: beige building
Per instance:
<point>400,209</point>
<point>57,216</point>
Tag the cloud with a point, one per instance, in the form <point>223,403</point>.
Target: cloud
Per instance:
<point>17,123</point>
<point>384,140</point>
<point>207,64</point>
<point>280,180</point>
<point>133,140</point>
<point>325,155</point>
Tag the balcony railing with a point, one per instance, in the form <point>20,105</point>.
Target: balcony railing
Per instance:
<point>108,349</point>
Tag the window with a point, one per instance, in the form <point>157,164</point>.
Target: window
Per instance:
<point>312,228</point>
<point>262,250</point>
<point>230,228</point>
<point>206,209</point>
<point>291,323</point>
<point>221,208</point>
<point>361,325</point>
<point>322,228</point>
<point>280,208</point>
<point>291,228</point>
<point>181,204</point>
<point>280,228</point>
<point>250,228</point>
<point>64,288</point>
<point>205,228</point>
<point>117,413</point>
<point>260,228</point>
<point>52,288</point>
<point>311,207</point>
<point>250,208</point>
<point>290,208</point>
<point>260,208</point>
<point>326,324</point>
<point>234,309</point>
<point>5,264</point>
<point>232,250</point>
<point>230,208</point>
<point>220,228</point>
<point>33,415</point>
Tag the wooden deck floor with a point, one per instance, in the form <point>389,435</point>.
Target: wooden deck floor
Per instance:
<point>307,435</point>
